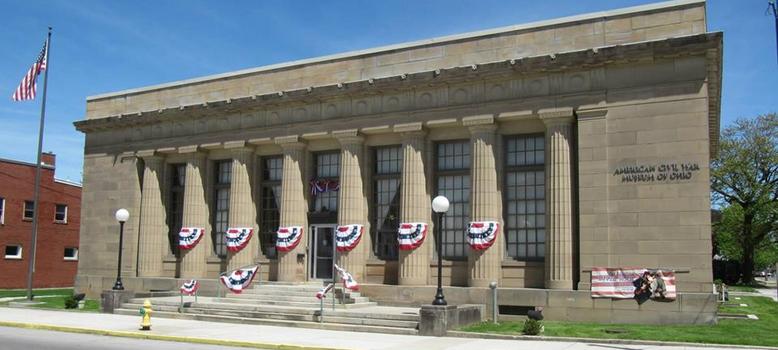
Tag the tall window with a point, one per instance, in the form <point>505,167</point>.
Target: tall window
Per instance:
<point>453,181</point>
<point>29,210</point>
<point>272,172</point>
<point>175,208</point>
<point>386,208</point>
<point>2,210</point>
<point>61,213</point>
<point>221,219</point>
<point>327,168</point>
<point>525,203</point>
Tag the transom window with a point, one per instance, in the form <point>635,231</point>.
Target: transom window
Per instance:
<point>453,181</point>
<point>221,218</point>
<point>525,203</point>
<point>29,210</point>
<point>175,207</point>
<point>386,207</point>
<point>13,251</point>
<point>270,202</point>
<point>61,213</point>
<point>327,169</point>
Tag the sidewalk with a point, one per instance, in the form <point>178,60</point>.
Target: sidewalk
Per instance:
<point>270,337</point>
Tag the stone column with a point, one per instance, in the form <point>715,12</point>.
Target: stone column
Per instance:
<point>559,231</point>
<point>243,212</point>
<point>195,213</point>
<point>153,223</point>
<point>294,207</point>
<point>484,265</point>
<point>414,265</point>
<point>352,204</point>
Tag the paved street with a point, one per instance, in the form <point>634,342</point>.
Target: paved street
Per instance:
<point>255,334</point>
<point>17,338</point>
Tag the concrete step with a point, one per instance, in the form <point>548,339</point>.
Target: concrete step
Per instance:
<point>285,323</point>
<point>278,298</point>
<point>285,288</point>
<point>311,304</point>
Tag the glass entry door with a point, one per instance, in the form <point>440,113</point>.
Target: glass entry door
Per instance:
<point>322,249</point>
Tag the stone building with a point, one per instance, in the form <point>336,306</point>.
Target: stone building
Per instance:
<point>586,138</point>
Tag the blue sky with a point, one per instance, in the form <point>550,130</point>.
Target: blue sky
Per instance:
<point>104,46</point>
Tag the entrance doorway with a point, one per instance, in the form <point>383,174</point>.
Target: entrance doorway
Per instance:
<point>322,251</point>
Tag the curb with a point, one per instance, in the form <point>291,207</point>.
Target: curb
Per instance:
<point>460,334</point>
<point>172,338</point>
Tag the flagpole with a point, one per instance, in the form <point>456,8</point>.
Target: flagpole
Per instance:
<point>36,204</point>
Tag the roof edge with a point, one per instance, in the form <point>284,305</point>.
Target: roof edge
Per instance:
<point>406,45</point>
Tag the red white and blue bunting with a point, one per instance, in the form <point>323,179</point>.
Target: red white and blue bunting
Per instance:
<point>323,185</point>
<point>190,287</point>
<point>348,236</point>
<point>287,238</point>
<point>238,280</point>
<point>188,237</point>
<point>322,293</point>
<point>482,234</point>
<point>411,235</point>
<point>237,238</point>
<point>348,281</point>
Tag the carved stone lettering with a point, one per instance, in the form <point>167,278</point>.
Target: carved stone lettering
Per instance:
<point>650,173</point>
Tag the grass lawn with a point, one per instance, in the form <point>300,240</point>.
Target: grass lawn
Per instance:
<point>744,332</point>
<point>57,301</point>
<point>23,292</point>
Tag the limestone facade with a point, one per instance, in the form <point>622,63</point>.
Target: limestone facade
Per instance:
<point>587,139</point>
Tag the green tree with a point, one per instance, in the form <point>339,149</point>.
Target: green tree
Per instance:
<point>728,241</point>
<point>745,175</point>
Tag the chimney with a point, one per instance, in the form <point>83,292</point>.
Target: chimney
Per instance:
<point>49,158</point>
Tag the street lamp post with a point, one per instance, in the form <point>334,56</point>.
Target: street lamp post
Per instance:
<point>121,216</point>
<point>440,207</point>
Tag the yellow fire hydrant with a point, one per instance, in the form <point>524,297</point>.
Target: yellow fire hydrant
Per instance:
<point>145,312</point>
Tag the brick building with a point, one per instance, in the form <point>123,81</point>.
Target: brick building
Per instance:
<point>58,226</point>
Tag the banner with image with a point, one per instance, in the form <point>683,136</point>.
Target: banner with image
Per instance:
<point>633,283</point>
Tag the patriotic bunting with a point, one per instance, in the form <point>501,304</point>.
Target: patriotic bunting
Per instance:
<point>629,283</point>
<point>323,185</point>
<point>348,236</point>
<point>482,234</point>
<point>287,238</point>
<point>348,281</point>
<point>190,287</point>
<point>238,238</point>
<point>411,235</point>
<point>188,237</point>
<point>239,279</point>
<point>322,293</point>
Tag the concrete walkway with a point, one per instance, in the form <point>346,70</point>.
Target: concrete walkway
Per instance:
<point>277,337</point>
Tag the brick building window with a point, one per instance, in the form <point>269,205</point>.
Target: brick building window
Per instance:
<point>327,168</point>
<point>524,198</point>
<point>13,251</point>
<point>175,204</point>
<point>386,201</point>
<point>221,205</point>
<point>29,210</point>
<point>61,213</point>
<point>2,210</point>
<point>270,202</point>
<point>453,181</point>
<point>71,253</point>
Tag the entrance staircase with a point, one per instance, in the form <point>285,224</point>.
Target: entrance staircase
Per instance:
<point>288,305</point>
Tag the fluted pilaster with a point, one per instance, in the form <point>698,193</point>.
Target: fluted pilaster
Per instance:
<point>352,205</point>
<point>294,207</point>
<point>484,265</point>
<point>559,231</point>
<point>153,224</point>
<point>243,212</point>
<point>195,215</point>
<point>414,265</point>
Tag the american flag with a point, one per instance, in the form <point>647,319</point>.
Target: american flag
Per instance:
<point>26,89</point>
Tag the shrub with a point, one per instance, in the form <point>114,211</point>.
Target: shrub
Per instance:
<point>532,327</point>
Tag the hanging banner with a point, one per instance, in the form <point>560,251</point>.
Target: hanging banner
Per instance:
<point>628,283</point>
<point>348,236</point>
<point>188,237</point>
<point>323,185</point>
<point>322,293</point>
<point>411,235</point>
<point>190,287</point>
<point>348,281</point>
<point>238,238</point>
<point>287,238</point>
<point>238,280</point>
<point>482,234</point>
